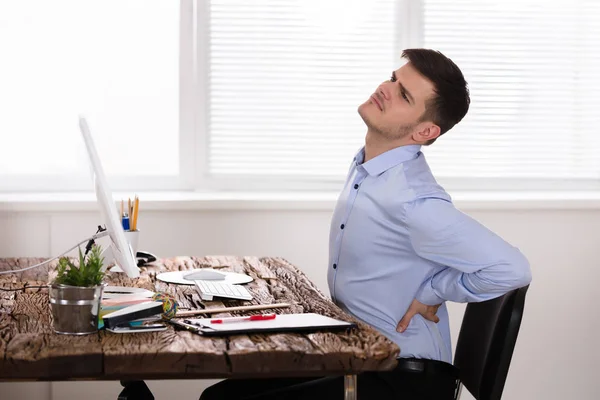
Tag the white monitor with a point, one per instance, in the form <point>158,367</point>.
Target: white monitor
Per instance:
<point>119,248</point>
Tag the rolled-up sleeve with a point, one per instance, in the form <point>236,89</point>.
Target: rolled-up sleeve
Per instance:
<point>477,264</point>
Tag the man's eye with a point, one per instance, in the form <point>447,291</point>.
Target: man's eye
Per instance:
<point>404,96</point>
<point>393,78</point>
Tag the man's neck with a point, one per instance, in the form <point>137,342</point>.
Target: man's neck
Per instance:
<point>376,144</point>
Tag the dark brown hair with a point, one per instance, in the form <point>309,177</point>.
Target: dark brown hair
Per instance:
<point>451,100</point>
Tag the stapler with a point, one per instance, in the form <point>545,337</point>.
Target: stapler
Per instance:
<point>144,258</point>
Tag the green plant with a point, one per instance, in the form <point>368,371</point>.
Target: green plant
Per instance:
<point>88,273</point>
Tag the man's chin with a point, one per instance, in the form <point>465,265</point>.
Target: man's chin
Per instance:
<point>364,113</point>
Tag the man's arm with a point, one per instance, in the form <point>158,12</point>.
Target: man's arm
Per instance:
<point>479,265</point>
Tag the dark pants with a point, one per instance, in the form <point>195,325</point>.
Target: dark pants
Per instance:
<point>396,384</point>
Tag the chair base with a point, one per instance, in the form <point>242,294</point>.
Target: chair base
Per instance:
<point>135,390</point>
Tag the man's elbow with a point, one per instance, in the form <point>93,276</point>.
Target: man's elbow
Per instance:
<point>521,271</point>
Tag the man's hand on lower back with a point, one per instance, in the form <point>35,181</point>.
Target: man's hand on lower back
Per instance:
<point>428,312</point>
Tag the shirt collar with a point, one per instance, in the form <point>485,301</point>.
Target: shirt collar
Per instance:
<point>391,158</point>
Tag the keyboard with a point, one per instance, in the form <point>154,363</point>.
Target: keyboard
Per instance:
<point>209,289</point>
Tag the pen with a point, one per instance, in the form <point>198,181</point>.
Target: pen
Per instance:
<point>263,317</point>
<point>125,222</point>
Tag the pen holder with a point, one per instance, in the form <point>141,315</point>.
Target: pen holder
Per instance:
<point>133,238</point>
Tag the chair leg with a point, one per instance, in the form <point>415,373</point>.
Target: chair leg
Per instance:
<point>349,387</point>
<point>459,387</point>
<point>135,390</point>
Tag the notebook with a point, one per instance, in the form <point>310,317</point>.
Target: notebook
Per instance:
<point>282,323</point>
<point>131,313</point>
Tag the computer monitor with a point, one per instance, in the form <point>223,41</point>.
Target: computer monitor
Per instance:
<point>119,249</point>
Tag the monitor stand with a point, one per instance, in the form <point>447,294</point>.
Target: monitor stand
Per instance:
<point>108,253</point>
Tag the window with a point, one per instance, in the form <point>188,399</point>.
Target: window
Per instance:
<point>286,79</point>
<point>262,95</point>
<point>117,63</point>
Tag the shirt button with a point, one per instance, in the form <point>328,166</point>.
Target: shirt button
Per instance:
<point>356,186</point>
<point>334,266</point>
<point>342,227</point>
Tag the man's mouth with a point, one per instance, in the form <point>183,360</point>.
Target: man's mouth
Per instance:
<point>377,101</point>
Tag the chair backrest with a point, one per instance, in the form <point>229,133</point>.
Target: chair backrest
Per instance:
<point>486,342</point>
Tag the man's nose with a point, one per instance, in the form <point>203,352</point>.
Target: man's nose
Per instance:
<point>383,91</point>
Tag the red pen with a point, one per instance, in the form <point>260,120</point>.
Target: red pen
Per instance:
<point>263,317</point>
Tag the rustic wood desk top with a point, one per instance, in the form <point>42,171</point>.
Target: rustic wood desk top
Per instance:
<point>30,350</point>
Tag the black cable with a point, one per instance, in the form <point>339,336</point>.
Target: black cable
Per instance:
<point>88,247</point>
<point>91,242</point>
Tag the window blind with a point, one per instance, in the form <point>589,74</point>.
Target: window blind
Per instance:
<point>286,79</point>
<point>532,68</point>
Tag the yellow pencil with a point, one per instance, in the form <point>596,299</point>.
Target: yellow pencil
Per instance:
<point>121,208</point>
<point>136,210</point>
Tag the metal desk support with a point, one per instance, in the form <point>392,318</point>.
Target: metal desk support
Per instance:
<point>349,387</point>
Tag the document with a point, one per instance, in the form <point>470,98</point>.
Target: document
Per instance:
<point>281,323</point>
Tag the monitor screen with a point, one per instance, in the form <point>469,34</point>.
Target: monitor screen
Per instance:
<point>121,250</point>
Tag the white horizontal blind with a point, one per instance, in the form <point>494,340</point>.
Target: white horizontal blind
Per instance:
<point>533,70</point>
<point>286,79</point>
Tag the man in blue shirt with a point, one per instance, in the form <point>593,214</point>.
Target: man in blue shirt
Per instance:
<point>399,249</point>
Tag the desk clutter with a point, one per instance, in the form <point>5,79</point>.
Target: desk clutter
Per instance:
<point>136,310</point>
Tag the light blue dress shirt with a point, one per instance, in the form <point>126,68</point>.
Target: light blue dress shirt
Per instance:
<point>396,236</point>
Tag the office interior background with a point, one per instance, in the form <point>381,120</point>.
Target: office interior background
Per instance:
<point>235,123</point>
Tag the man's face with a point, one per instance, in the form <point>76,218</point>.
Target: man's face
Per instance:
<point>394,109</point>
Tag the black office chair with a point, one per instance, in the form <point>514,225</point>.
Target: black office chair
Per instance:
<point>486,342</point>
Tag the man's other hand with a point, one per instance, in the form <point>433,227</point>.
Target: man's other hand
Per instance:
<point>428,312</point>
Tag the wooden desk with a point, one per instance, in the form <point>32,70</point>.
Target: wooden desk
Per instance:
<point>30,350</point>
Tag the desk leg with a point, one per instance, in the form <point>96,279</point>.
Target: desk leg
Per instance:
<point>349,387</point>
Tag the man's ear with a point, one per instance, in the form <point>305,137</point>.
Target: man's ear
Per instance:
<point>426,132</point>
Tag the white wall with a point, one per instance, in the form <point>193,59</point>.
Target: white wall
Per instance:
<point>555,358</point>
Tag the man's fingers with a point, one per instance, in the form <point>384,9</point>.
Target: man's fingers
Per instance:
<point>430,316</point>
<point>403,324</point>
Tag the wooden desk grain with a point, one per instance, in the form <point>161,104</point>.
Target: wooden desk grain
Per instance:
<point>30,350</point>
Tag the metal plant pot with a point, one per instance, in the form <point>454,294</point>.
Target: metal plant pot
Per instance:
<point>75,309</point>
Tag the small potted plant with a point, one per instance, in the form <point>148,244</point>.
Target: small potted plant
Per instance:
<point>76,293</point>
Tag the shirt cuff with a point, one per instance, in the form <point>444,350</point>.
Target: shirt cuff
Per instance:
<point>426,294</point>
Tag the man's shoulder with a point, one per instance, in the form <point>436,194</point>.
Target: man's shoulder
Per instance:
<point>420,179</point>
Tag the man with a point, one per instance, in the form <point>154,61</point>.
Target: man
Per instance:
<point>399,249</point>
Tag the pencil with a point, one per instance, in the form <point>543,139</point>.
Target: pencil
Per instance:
<point>181,314</point>
<point>136,210</point>
<point>121,208</point>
